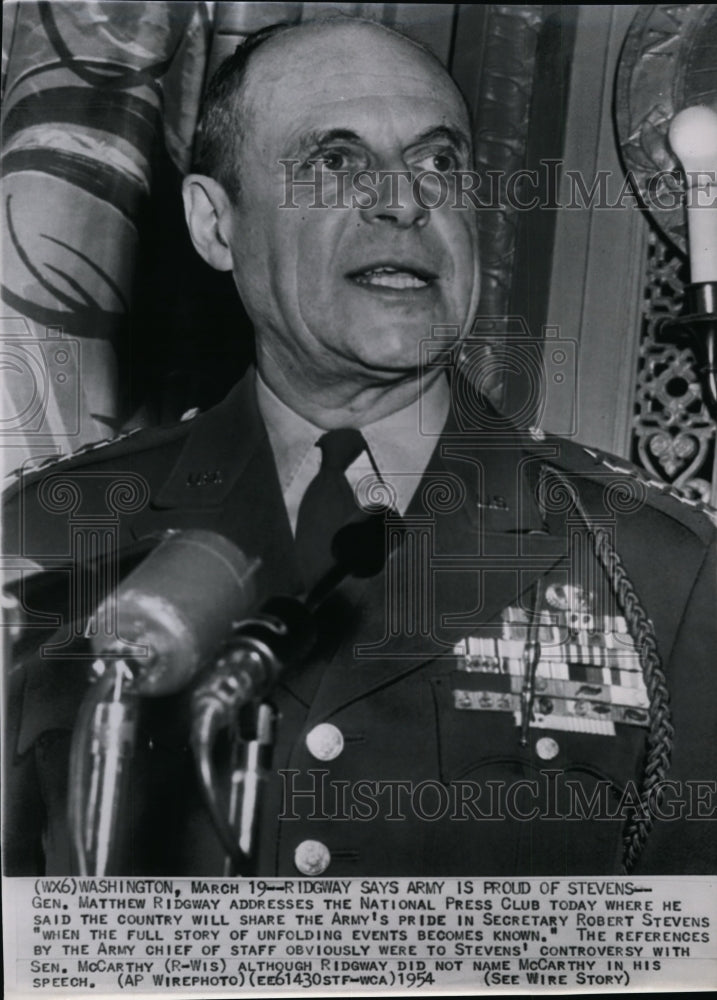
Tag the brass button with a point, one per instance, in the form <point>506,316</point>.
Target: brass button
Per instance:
<point>312,857</point>
<point>547,748</point>
<point>325,741</point>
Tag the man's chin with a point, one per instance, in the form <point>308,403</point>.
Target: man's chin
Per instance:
<point>394,351</point>
<point>393,331</point>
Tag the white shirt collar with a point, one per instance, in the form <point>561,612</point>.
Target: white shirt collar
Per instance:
<point>400,444</point>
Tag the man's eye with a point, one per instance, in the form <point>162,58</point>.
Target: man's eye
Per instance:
<point>332,159</point>
<point>442,162</point>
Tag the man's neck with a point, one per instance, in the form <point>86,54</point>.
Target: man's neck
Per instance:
<point>342,404</point>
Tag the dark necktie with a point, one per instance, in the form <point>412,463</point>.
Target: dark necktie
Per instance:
<point>328,503</point>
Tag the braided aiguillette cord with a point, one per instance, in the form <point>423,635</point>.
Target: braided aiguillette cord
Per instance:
<point>660,732</point>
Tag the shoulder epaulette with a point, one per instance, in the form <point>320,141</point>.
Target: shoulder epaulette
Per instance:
<point>662,488</point>
<point>669,499</point>
<point>142,439</point>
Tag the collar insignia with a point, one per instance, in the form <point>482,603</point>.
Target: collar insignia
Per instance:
<point>211,477</point>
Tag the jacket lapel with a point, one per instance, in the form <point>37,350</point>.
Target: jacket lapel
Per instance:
<point>225,479</point>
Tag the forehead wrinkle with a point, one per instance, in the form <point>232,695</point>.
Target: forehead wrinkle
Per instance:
<point>357,118</point>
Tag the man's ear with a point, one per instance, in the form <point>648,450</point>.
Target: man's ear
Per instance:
<point>208,213</point>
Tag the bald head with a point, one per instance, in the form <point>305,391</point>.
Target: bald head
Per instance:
<point>282,51</point>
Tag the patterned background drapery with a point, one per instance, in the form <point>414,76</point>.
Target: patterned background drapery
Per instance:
<point>91,92</point>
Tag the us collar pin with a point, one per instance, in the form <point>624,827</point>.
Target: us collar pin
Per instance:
<point>212,477</point>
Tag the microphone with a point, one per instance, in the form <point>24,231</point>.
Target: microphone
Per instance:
<point>284,630</point>
<point>169,615</point>
<point>358,549</point>
<point>152,635</point>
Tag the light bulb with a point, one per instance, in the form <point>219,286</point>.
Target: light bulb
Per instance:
<point>693,137</point>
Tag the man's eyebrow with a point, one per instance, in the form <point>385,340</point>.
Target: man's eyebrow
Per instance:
<point>317,139</point>
<point>447,133</point>
<point>443,133</point>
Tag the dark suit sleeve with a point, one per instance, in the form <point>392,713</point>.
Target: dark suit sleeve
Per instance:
<point>688,843</point>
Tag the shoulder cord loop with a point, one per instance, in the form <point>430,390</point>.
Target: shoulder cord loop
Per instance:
<point>660,732</point>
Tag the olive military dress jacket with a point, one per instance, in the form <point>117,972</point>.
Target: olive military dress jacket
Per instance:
<point>528,687</point>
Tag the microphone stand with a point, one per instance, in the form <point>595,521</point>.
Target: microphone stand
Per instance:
<point>246,670</point>
<point>103,736</point>
<point>248,777</point>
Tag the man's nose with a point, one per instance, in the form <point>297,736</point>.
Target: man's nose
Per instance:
<point>393,200</point>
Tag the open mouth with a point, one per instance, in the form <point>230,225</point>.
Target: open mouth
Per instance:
<point>396,277</point>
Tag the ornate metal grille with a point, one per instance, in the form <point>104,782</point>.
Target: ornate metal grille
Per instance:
<point>673,436</point>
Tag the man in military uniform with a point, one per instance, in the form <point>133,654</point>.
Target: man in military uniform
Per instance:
<point>525,687</point>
